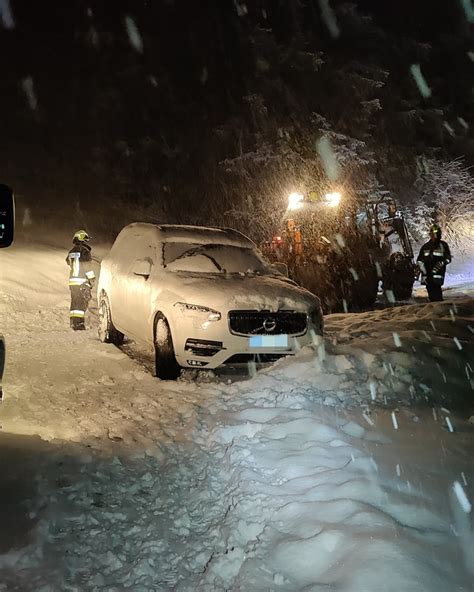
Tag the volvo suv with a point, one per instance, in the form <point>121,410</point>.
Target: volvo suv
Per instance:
<point>201,297</point>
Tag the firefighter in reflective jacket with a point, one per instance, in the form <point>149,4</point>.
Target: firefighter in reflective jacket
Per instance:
<point>432,260</point>
<point>81,279</point>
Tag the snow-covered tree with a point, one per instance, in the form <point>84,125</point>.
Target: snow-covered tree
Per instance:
<point>446,192</point>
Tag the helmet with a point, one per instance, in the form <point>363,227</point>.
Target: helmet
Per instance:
<point>435,229</point>
<point>81,236</point>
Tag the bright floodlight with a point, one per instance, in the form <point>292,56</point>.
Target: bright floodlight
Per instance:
<point>332,199</point>
<point>295,201</point>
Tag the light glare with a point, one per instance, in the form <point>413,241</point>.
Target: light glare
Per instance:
<point>332,199</point>
<point>295,201</point>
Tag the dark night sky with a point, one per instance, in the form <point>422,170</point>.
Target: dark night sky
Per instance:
<point>45,39</point>
<point>54,24</point>
<point>90,98</point>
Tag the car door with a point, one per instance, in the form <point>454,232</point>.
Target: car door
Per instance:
<point>136,289</point>
<point>119,261</point>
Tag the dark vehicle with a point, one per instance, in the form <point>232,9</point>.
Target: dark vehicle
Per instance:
<point>342,248</point>
<point>7,224</point>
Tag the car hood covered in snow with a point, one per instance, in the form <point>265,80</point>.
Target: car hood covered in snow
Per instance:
<point>247,291</point>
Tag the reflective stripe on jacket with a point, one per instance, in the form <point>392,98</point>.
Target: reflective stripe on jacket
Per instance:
<point>79,260</point>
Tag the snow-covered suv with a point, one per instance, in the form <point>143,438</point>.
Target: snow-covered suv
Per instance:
<point>202,297</point>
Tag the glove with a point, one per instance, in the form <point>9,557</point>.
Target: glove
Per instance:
<point>86,290</point>
<point>438,267</point>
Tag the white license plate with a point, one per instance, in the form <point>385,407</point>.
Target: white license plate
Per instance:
<point>268,341</point>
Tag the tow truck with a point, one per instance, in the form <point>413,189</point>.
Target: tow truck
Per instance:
<point>343,248</point>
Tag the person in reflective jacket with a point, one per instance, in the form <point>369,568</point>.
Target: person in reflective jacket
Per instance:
<point>432,260</point>
<point>81,279</point>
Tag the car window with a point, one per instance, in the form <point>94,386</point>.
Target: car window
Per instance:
<point>213,259</point>
<point>131,247</point>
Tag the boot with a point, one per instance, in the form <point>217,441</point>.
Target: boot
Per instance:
<point>77,324</point>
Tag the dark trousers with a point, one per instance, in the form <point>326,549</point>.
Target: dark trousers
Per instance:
<point>435,292</point>
<point>80,296</point>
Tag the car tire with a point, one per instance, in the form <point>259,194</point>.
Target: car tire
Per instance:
<point>166,366</point>
<point>403,291</point>
<point>106,330</point>
<point>365,288</point>
<point>399,277</point>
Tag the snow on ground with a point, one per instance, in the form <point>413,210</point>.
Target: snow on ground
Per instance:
<point>460,274</point>
<point>461,269</point>
<point>346,468</point>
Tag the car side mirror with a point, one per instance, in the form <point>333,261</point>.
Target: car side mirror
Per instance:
<point>142,267</point>
<point>7,216</point>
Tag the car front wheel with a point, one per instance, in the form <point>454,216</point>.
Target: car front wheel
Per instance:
<point>107,331</point>
<point>166,366</point>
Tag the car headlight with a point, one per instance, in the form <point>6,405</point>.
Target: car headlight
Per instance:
<point>295,201</point>
<point>332,199</point>
<point>204,313</point>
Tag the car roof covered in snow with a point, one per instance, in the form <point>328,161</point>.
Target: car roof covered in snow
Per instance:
<point>177,233</point>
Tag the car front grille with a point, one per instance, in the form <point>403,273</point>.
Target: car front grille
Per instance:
<point>257,322</point>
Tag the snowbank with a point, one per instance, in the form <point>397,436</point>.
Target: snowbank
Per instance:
<point>348,467</point>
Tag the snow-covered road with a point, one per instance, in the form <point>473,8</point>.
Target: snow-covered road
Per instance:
<point>346,468</point>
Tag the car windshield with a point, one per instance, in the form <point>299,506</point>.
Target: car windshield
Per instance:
<point>213,259</point>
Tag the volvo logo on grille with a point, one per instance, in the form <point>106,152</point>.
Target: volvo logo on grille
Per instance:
<point>269,325</point>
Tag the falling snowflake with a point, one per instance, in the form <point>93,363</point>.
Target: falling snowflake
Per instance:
<point>449,424</point>
<point>252,368</point>
<point>449,128</point>
<point>133,34</point>
<point>29,90</point>
<point>423,87</point>
<point>468,10</point>
<point>329,18</point>
<point>394,420</point>
<point>241,8</point>
<point>354,274</point>
<point>462,497</point>
<point>373,390</point>
<point>397,340</point>
<point>327,155</point>
<point>367,419</point>
<point>6,14</point>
